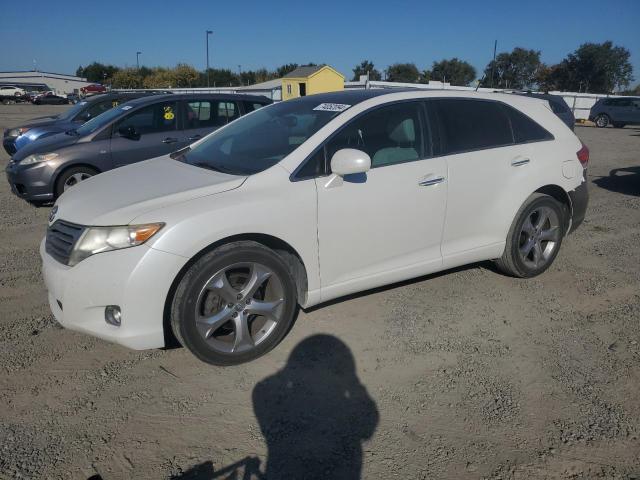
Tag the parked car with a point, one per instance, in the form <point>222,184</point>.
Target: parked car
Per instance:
<point>50,98</point>
<point>92,89</point>
<point>305,201</point>
<point>73,98</point>
<point>558,106</point>
<point>16,138</point>
<point>618,112</point>
<point>143,128</point>
<point>11,91</point>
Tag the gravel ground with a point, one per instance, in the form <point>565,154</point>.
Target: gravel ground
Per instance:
<point>466,374</point>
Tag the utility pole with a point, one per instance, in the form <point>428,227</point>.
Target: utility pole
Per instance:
<point>138,59</point>
<point>493,64</point>
<point>209,32</point>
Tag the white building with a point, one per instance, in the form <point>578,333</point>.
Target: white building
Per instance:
<point>59,83</point>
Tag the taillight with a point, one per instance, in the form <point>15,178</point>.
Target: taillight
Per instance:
<point>583,155</point>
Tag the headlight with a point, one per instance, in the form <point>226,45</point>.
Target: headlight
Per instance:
<point>16,132</point>
<point>104,239</point>
<point>37,158</point>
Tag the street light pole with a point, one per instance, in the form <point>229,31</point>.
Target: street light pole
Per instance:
<point>138,59</point>
<point>209,32</point>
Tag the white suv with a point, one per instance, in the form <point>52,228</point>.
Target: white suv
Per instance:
<point>11,91</point>
<point>304,201</point>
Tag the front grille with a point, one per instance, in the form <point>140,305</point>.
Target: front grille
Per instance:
<point>61,238</point>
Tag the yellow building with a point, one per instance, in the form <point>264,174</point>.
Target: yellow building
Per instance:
<point>309,80</point>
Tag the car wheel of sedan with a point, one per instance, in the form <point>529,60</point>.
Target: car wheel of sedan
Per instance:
<point>72,177</point>
<point>602,120</point>
<point>234,304</point>
<point>534,238</point>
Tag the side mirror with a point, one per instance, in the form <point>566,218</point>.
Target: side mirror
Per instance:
<point>129,132</point>
<point>349,161</point>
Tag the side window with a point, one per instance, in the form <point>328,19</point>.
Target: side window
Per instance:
<point>471,124</point>
<point>524,128</point>
<point>389,135</point>
<point>313,167</point>
<point>160,117</point>
<point>251,106</point>
<point>207,113</point>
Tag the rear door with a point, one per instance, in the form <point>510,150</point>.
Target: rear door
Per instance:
<point>200,117</point>
<point>489,173</point>
<point>635,111</point>
<point>157,127</point>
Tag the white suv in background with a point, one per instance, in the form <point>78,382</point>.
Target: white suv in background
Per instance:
<point>304,201</point>
<point>11,91</point>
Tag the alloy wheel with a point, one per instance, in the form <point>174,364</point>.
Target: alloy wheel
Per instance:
<point>539,237</point>
<point>74,180</point>
<point>239,307</point>
<point>602,121</point>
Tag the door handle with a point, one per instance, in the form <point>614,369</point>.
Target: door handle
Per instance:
<point>170,140</point>
<point>194,137</point>
<point>516,162</point>
<point>431,181</point>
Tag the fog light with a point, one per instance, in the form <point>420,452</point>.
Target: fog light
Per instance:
<point>112,315</point>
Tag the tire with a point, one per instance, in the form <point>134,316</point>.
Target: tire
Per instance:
<point>66,178</point>
<point>532,246</point>
<point>602,120</point>
<point>219,295</point>
<point>618,125</point>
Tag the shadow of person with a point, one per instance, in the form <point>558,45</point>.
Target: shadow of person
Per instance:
<point>621,180</point>
<point>315,413</point>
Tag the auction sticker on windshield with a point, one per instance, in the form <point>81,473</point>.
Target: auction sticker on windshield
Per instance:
<point>332,107</point>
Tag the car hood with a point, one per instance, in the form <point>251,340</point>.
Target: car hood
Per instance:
<point>118,196</point>
<point>45,145</point>
<point>43,131</point>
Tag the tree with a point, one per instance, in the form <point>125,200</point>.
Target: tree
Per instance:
<point>516,69</point>
<point>366,68</point>
<point>454,71</point>
<point>403,72</point>
<point>184,76</point>
<point>160,78</point>
<point>596,68</point>
<point>425,76</point>
<point>287,68</point>
<point>97,72</point>
<point>220,77</point>
<point>127,78</point>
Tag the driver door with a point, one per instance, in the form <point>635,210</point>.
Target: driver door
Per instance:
<point>385,225</point>
<point>157,126</point>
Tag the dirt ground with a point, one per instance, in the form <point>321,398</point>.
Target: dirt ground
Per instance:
<point>466,374</point>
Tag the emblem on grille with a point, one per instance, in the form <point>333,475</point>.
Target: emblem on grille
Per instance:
<point>53,212</point>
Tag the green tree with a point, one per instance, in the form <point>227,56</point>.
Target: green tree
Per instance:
<point>516,69</point>
<point>284,69</point>
<point>595,68</point>
<point>127,78</point>
<point>97,72</point>
<point>160,78</point>
<point>219,77</point>
<point>403,72</point>
<point>184,76</point>
<point>366,68</point>
<point>454,71</point>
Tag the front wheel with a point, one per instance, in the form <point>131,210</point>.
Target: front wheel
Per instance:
<point>234,304</point>
<point>602,120</point>
<point>70,178</point>
<point>534,238</point>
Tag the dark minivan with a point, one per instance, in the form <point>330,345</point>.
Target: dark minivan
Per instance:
<point>16,138</point>
<point>618,112</point>
<point>138,130</point>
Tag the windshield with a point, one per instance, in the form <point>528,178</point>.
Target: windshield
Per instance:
<point>73,111</point>
<point>258,141</point>
<point>101,120</point>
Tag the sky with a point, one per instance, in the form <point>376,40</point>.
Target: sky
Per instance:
<point>59,36</point>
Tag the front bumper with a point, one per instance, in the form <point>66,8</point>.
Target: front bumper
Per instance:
<point>579,201</point>
<point>137,279</point>
<point>32,183</point>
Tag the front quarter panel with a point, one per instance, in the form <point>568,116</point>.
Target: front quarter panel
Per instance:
<point>268,203</point>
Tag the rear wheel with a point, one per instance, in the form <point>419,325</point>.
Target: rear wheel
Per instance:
<point>534,238</point>
<point>234,304</point>
<point>70,178</point>
<point>602,120</point>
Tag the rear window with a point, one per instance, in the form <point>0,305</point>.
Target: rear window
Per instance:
<point>251,106</point>
<point>471,125</point>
